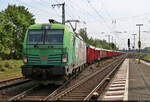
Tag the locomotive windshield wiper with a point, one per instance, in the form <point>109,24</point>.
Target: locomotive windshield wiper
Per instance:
<point>36,44</point>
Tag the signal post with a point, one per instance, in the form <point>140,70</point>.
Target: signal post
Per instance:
<point>139,42</point>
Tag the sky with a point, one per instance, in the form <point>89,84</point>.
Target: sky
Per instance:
<point>117,18</point>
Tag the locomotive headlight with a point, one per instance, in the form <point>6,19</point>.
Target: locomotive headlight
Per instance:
<point>25,59</point>
<point>64,58</point>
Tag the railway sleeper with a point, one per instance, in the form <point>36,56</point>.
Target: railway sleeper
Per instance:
<point>34,97</point>
<point>78,91</point>
<point>30,98</point>
<point>77,95</point>
<point>85,89</point>
<point>72,98</point>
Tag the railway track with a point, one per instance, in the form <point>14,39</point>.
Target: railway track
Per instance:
<point>31,94</point>
<point>82,90</point>
<point>12,82</point>
<point>10,87</point>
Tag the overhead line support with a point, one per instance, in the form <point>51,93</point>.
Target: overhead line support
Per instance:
<point>63,11</point>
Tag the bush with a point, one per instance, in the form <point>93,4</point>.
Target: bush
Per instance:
<point>11,66</point>
<point>1,65</point>
<point>6,64</point>
<point>2,69</point>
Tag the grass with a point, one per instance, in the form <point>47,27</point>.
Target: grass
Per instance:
<point>10,69</point>
<point>147,57</point>
<point>103,63</point>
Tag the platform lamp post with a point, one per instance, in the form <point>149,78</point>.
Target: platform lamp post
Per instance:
<point>134,41</point>
<point>139,42</point>
<point>134,45</point>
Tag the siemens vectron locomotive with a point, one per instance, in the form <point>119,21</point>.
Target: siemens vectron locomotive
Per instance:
<point>53,53</point>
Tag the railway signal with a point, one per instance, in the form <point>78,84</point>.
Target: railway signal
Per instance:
<point>139,44</point>
<point>112,45</point>
<point>129,44</point>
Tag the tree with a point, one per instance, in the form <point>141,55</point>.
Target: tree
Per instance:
<point>5,33</point>
<point>16,20</point>
<point>96,42</point>
<point>83,34</point>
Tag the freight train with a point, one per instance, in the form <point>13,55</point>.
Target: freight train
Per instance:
<point>53,53</point>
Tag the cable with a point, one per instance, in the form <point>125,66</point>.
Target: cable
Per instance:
<point>33,7</point>
<point>98,14</point>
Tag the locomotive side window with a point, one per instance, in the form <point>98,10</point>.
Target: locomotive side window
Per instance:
<point>54,37</point>
<point>35,37</point>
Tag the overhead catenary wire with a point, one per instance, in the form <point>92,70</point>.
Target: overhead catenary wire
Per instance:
<point>27,4</point>
<point>99,15</point>
<point>84,15</point>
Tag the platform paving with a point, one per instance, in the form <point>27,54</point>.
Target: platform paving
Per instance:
<point>117,89</point>
<point>139,81</point>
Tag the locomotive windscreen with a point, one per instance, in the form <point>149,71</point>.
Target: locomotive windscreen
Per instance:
<point>35,36</point>
<point>54,37</point>
<point>50,36</point>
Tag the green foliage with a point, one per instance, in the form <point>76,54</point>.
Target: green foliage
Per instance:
<point>5,33</point>
<point>96,42</point>
<point>83,34</point>
<point>14,21</point>
<point>146,50</point>
<point>11,71</point>
<point>147,57</point>
<point>11,64</point>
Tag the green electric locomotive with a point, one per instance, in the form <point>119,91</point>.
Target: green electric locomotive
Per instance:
<point>52,53</point>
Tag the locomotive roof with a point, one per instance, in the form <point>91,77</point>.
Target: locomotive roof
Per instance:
<point>52,26</point>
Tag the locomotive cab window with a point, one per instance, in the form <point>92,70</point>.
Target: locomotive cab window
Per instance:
<point>35,37</point>
<point>54,36</point>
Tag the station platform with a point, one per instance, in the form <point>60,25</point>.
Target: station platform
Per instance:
<point>118,88</point>
<point>133,82</point>
<point>139,81</point>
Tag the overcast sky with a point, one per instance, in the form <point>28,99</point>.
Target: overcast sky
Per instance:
<point>117,18</point>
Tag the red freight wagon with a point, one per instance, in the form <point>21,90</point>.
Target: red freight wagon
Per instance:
<point>115,53</point>
<point>109,53</point>
<point>90,54</point>
<point>103,53</point>
<point>97,54</point>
